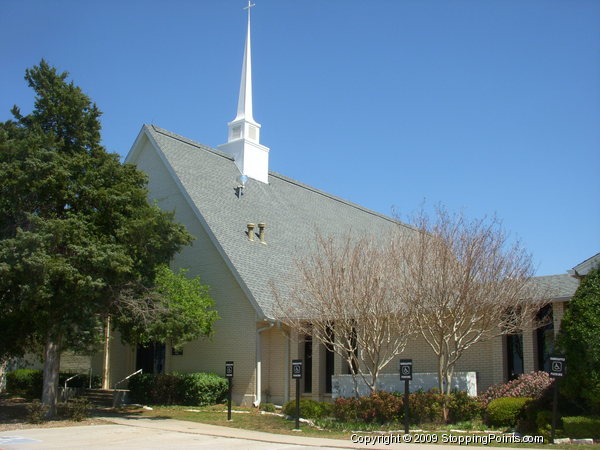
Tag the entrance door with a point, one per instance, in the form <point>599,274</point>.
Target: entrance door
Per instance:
<point>151,358</point>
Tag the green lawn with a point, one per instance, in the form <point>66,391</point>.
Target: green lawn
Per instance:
<point>252,419</point>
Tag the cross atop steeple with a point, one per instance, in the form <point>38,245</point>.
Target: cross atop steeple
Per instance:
<point>250,156</point>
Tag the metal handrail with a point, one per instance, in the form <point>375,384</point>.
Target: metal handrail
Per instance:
<point>69,379</point>
<point>127,378</point>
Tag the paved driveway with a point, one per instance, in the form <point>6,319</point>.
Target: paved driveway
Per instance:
<point>126,437</point>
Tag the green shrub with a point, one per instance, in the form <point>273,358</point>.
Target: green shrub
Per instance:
<point>309,409</point>
<point>28,382</point>
<point>543,424</point>
<point>582,427</point>
<point>192,389</point>
<point>140,387</point>
<point>505,412</point>
<point>25,382</point>
<point>463,408</point>
<point>77,409</point>
<point>36,412</point>
<point>164,389</point>
<point>201,389</point>
<point>268,407</point>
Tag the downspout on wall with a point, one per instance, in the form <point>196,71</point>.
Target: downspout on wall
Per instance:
<point>258,392</point>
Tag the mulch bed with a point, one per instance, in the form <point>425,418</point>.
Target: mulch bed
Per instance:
<point>13,416</point>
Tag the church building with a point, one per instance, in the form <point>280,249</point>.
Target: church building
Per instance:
<point>249,223</point>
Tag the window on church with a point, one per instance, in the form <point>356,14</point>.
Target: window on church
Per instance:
<point>514,354</point>
<point>236,132</point>
<point>308,345</point>
<point>329,361</point>
<point>545,338</point>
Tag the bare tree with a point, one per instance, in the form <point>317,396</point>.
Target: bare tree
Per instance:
<point>347,297</point>
<point>466,283</point>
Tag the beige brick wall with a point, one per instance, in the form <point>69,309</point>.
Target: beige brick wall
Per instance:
<point>235,333</point>
<point>558,312</point>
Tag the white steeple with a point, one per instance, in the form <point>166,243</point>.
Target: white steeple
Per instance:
<point>251,158</point>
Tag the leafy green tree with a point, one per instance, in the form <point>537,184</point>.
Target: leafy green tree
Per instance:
<point>77,236</point>
<point>579,338</point>
<point>180,309</point>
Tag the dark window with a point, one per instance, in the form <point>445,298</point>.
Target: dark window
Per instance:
<point>514,355</point>
<point>545,338</point>
<point>308,363</point>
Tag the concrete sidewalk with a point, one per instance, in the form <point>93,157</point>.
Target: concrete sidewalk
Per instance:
<point>159,433</point>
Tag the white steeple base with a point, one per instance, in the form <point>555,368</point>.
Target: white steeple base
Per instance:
<point>251,158</point>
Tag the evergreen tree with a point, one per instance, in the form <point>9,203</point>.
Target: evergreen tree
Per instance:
<point>78,239</point>
<point>579,339</point>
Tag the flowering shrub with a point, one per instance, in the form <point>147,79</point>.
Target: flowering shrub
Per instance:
<point>533,384</point>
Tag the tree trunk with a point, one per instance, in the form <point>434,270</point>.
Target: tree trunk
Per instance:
<point>3,367</point>
<point>51,371</point>
<point>106,359</point>
<point>443,383</point>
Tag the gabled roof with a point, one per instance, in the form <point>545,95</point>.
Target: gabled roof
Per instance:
<point>584,267</point>
<point>561,287</point>
<point>292,211</point>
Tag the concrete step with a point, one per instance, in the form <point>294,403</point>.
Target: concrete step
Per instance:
<point>101,397</point>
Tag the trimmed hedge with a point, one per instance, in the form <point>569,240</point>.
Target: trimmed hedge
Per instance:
<point>202,388</point>
<point>191,389</point>
<point>506,411</point>
<point>309,409</point>
<point>579,427</point>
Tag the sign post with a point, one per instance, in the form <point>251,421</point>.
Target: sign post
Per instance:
<point>558,365</point>
<point>229,376</point>
<point>406,375</point>
<point>297,374</point>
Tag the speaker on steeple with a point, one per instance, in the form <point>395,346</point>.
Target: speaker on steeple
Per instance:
<point>251,158</point>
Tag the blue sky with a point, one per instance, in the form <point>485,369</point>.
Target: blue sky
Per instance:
<point>486,106</point>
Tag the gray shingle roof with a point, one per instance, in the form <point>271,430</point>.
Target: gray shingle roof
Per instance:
<point>560,286</point>
<point>292,211</point>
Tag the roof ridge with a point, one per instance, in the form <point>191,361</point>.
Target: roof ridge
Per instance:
<point>555,275</point>
<point>281,177</point>
<point>190,142</point>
